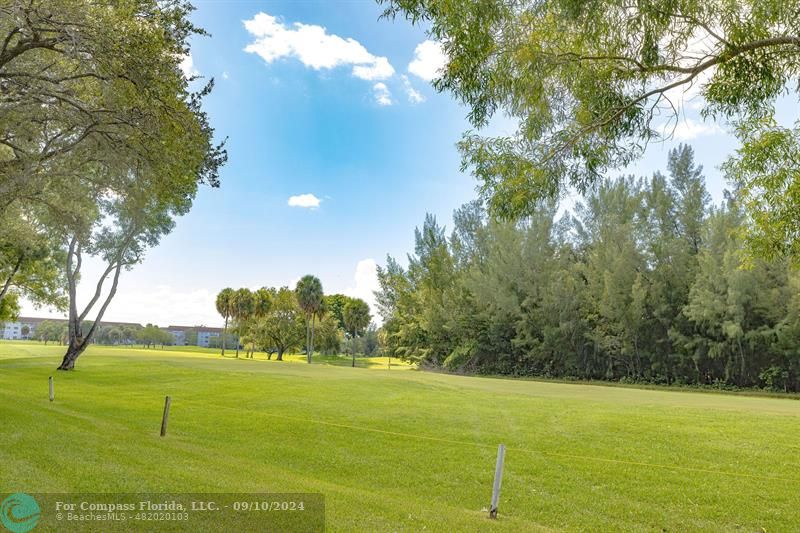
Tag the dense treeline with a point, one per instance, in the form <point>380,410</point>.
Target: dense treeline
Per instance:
<point>642,282</point>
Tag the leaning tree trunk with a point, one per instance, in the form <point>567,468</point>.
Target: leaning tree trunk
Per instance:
<point>78,341</point>
<point>74,350</point>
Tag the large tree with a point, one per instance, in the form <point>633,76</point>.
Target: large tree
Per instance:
<point>101,143</point>
<point>282,327</point>
<point>590,84</point>
<point>310,299</point>
<point>119,233</point>
<point>125,197</point>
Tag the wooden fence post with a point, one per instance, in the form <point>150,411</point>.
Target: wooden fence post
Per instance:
<point>498,478</point>
<point>165,417</point>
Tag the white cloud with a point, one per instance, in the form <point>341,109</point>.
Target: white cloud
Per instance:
<point>307,200</point>
<point>414,96</point>
<point>382,94</point>
<point>429,60</point>
<point>225,75</point>
<point>687,129</point>
<point>314,47</point>
<point>366,278</point>
<point>187,67</point>
<point>380,70</point>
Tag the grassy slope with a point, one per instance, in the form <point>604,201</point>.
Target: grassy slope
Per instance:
<point>257,426</point>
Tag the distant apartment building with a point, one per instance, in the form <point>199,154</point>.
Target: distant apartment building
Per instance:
<point>25,327</point>
<point>22,328</point>
<point>179,334</point>
<point>194,335</point>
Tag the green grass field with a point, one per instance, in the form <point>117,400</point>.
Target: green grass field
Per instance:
<point>399,450</point>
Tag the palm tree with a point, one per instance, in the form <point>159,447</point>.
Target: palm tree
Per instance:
<point>224,308</point>
<point>356,319</point>
<point>309,297</point>
<point>242,310</point>
<point>262,303</point>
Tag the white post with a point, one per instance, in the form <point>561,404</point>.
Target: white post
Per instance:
<point>498,478</point>
<point>52,392</point>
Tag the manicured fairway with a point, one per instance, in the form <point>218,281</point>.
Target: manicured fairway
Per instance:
<point>400,450</point>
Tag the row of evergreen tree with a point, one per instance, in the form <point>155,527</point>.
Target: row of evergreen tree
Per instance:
<point>644,281</point>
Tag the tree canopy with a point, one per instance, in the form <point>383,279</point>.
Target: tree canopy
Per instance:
<point>356,316</point>
<point>591,84</point>
<point>281,328</point>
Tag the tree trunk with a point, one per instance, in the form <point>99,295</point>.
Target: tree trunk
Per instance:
<point>73,351</point>
<point>224,334</point>
<point>78,342</point>
<point>308,336</point>
<point>743,370</point>
<point>280,356</point>
<point>313,320</point>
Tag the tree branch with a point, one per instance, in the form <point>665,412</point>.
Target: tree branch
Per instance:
<point>7,284</point>
<point>693,72</point>
<point>105,305</point>
<point>116,263</point>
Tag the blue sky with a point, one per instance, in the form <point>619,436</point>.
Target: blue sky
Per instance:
<point>322,99</point>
